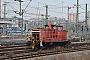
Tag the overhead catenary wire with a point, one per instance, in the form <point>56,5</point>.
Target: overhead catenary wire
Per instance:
<point>57,12</point>
<point>55,4</point>
<point>37,7</point>
<point>14,9</point>
<point>31,13</point>
<point>82,8</point>
<point>44,9</point>
<point>40,3</point>
<point>27,5</point>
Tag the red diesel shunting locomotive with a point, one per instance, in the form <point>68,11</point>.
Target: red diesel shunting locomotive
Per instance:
<point>50,34</point>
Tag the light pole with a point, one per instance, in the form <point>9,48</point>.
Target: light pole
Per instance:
<point>77,18</point>
<point>21,13</point>
<point>46,14</point>
<point>22,22</point>
<point>4,26</point>
<point>20,6</point>
<point>86,25</point>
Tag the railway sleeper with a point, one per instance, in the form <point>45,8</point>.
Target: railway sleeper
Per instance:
<point>3,57</point>
<point>66,51</point>
<point>11,46</point>
<point>14,48</point>
<point>21,56</point>
<point>13,52</point>
<point>82,49</point>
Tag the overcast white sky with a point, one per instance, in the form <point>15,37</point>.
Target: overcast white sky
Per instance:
<point>38,7</point>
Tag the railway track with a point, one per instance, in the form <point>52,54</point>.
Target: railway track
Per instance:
<point>17,51</point>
